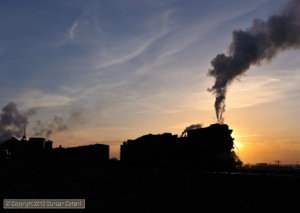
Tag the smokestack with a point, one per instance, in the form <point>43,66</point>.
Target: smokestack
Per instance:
<point>261,42</point>
<point>24,135</point>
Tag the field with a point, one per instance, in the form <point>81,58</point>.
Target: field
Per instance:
<point>115,188</point>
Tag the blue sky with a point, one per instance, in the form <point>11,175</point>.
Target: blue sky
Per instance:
<point>115,70</point>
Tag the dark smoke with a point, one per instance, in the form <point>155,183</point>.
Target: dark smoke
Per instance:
<point>58,124</point>
<point>261,42</point>
<point>12,121</point>
<point>191,127</point>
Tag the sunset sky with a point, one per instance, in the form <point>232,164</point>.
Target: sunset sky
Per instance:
<point>109,71</point>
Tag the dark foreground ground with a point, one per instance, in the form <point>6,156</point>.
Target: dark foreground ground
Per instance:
<point>113,188</point>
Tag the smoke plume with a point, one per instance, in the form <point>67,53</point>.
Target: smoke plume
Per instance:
<point>12,121</point>
<point>58,124</point>
<point>191,127</point>
<point>261,42</point>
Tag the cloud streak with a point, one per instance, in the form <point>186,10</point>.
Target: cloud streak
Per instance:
<point>40,99</point>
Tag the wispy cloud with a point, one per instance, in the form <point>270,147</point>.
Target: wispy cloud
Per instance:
<point>140,47</point>
<point>40,99</point>
<point>127,56</point>
<point>72,31</point>
<point>254,90</point>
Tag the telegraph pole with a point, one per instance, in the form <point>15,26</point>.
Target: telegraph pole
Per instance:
<point>277,162</point>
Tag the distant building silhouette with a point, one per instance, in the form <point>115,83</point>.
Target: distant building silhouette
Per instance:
<point>32,149</point>
<point>37,148</point>
<point>96,153</point>
<point>209,148</point>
